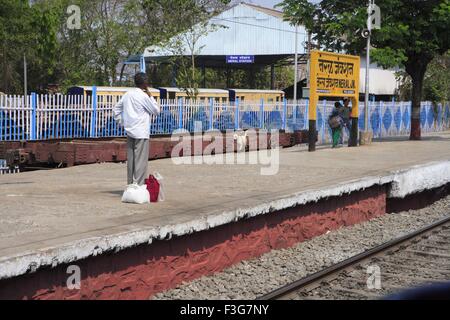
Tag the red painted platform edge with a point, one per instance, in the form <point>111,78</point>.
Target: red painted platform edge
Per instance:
<point>142,271</point>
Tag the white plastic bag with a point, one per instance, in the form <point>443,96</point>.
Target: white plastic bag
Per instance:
<point>161,196</point>
<point>136,194</point>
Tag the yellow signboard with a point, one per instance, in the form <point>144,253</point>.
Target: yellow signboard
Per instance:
<point>333,75</point>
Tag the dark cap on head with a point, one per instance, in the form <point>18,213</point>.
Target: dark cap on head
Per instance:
<point>141,80</point>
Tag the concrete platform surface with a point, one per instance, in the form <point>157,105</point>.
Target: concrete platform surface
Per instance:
<point>57,216</point>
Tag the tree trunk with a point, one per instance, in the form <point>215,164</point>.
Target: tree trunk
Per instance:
<point>417,84</point>
<point>417,71</point>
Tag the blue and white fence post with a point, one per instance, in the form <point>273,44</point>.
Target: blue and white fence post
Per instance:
<point>142,65</point>
<point>394,112</point>
<point>211,113</point>
<point>180,113</point>
<point>236,115</point>
<point>294,115</point>
<point>261,114</point>
<point>94,113</point>
<point>410,113</point>
<point>33,116</point>
<point>381,117</point>
<point>284,114</point>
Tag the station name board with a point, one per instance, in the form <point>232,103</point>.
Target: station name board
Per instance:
<point>240,59</point>
<point>335,74</point>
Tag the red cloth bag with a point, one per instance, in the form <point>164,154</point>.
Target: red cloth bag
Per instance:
<point>153,188</point>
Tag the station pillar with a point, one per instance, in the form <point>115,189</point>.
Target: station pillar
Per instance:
<point>312,134</point>
<point>353,140</point>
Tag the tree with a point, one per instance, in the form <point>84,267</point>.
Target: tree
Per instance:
<point>437,80</point>
<point>185,45</point>
<point>30,31</point>
<point>185,48</point>
<point>413,33</point>
<point>436,83</point>
<point>111,30</point>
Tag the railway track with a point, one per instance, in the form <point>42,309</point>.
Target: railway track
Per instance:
<point>418,258</point>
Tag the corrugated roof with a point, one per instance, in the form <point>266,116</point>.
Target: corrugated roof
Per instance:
<point>272,12</point>
<point>244,29</point>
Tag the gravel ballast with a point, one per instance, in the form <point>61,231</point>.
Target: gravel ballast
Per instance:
<point>253,278</point>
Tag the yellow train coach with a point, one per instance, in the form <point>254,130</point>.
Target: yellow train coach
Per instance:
<point>247,95</point>
<point>106,94</point>
<point>218,95</point>
<point>112,94</point>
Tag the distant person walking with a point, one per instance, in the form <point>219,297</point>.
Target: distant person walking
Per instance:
<point>133,111</point>
<point>336,123</point>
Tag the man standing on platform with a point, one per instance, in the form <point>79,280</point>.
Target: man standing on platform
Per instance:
<point>133,111</point>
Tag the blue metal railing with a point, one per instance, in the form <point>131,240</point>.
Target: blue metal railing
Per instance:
<point>41,117</point>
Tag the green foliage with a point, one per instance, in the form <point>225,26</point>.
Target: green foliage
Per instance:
<point>436,86</point>
<point>437,80</point>
<point>412,34</point>
<point>409,28</point>
<point>185,45</point>
<point>30,31</point>
<point>298,12</point>
<point>111,31</point>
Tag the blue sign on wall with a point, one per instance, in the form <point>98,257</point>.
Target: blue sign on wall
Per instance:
<point>240,59</point>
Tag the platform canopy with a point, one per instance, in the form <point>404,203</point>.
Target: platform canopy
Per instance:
<point>243,35</point>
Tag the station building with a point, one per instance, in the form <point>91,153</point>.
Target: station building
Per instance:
<point>251,37</point>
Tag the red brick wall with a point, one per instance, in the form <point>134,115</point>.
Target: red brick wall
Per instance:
<point>140,272</point>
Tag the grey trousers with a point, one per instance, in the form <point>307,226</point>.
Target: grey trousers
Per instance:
<point>137,160</point>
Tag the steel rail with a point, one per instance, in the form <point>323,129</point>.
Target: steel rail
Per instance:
<point>336,268</point>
